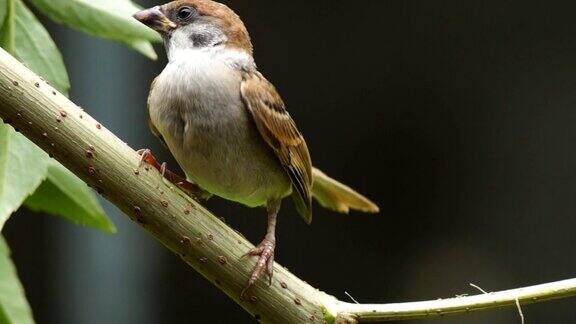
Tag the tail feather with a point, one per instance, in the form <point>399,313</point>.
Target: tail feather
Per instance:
<point>334,195</point>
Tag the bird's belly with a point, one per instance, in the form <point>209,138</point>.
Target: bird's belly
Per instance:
<point>234,166</point>
<point>212,136</point>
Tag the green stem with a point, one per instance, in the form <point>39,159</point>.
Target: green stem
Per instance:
<point>202,240</point>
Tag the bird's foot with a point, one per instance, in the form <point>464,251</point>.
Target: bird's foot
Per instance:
<point>147,157</point>
<point>190,188</point>
<point>265,253</point>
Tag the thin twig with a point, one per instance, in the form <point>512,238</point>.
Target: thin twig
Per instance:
<point>350,296</point>
<point>441,307</point>
<point>520,311</point>
<point>478,287</point>
<point>517,302</point>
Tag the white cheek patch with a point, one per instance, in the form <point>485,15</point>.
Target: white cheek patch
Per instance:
<point>178,41</point>
<point>196,35</point>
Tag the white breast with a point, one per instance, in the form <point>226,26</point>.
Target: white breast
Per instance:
<point>197,107</point>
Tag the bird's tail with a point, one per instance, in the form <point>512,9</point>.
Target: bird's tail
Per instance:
<point>334,195</point>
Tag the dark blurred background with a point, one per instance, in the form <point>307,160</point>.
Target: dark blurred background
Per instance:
<point>457,117</point>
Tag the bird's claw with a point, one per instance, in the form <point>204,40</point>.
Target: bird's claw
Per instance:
<point>193,190</point>
<point>265,263</point>
<point>146,156</point>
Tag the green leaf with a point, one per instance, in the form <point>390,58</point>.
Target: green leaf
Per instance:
<point>66,195</point>
<point>36,49</point>
<point>144,48</point>
<point>14,308</point>
<point>110,19</point>
<point>3,11</point>
<point>23,167</point>
<point>7,37</point>
<point>26,169</point>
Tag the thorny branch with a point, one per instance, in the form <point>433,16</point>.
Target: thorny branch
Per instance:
<point>107,164</point>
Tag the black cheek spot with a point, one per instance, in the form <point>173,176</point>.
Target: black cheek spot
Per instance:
<point>200,40</point>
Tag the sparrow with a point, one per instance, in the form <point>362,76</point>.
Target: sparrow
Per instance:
<point>227,126</point>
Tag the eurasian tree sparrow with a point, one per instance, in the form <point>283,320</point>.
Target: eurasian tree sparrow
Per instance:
<point>227,126</point>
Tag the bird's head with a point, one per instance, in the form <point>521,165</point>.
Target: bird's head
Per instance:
<point>190,24</point>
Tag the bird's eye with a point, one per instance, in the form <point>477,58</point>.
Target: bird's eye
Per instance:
<point>185,13</point>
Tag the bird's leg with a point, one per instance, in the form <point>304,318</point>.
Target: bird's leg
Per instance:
<point>265,250</point>
<point>187,186</point>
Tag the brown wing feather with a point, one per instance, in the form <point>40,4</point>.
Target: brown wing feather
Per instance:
<point>280,132</point>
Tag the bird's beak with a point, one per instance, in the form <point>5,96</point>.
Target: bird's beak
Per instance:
<point>155,19</point>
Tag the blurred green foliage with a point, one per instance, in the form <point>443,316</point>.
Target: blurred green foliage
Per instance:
<point>28,176</point>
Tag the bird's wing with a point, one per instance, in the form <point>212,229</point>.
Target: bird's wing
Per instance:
<point>280,132</point>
